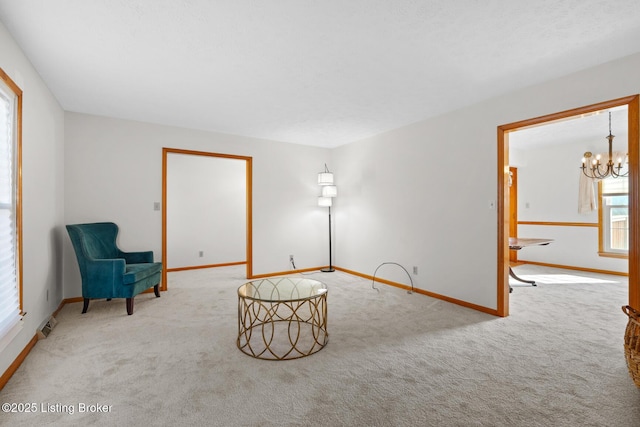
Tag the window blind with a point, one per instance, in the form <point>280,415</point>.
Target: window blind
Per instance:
<point>615,186</point>
<point>9,292</point>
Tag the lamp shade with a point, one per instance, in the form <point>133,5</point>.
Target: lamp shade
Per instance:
<point>325,178</point>
<point>324,201</point>
<point>329,191</point>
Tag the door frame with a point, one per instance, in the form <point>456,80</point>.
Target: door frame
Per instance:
<point>513,209</point>
<point>633,105</point>
<point>249,210</point>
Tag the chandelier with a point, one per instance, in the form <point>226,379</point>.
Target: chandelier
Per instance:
<point>596,170</point>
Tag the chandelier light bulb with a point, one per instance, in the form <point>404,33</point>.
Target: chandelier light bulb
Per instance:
<point>597,170</point>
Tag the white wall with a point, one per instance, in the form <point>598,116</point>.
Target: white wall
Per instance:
<point>548,192</point>
<point>206,210</point>
<point>517,157</point>
<point>420,195</point>
<point>42,195</point>
<point>114,173</point>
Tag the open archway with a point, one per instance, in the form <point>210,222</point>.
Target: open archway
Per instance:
<point>632,102</point>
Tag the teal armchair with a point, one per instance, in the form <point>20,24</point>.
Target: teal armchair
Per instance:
<point>106,271</point>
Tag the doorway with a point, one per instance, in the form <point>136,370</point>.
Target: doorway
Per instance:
<point>195,162</point>
<point>504,211</point>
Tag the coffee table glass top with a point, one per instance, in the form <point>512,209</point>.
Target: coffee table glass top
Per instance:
<point>276,289</point>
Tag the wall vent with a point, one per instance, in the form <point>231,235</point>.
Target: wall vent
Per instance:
<point>45,330</point>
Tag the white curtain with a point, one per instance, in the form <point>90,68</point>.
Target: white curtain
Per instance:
<point>587,200</point>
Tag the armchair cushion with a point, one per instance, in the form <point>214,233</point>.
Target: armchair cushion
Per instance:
<point>137,272</point>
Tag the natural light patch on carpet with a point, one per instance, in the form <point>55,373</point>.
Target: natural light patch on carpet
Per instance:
<point>561,278</point>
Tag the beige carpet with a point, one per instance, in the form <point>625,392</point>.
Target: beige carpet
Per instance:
<point>393,359</point>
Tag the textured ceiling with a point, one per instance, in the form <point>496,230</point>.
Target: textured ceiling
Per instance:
<point>305,71</point>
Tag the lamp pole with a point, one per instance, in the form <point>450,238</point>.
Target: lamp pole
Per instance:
<point>330,269</point>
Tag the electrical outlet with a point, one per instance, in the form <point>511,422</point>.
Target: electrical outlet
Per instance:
<point>415,270</point>
<point>201,254</point>
<point>156,206</point>
<point>290,258</point>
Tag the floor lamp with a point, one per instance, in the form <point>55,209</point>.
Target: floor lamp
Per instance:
<point>329,191</point>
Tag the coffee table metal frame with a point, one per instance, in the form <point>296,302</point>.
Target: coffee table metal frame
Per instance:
<point>282,318</point>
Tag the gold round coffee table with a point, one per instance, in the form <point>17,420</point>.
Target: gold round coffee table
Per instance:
<point>282,318</point>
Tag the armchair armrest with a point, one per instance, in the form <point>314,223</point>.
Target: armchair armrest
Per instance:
<point>137,257</point>
<point>103,277</point>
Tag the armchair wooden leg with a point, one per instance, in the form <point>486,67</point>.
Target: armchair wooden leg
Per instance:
<point>156,290</point>
<point>129,306</point>
<point>85,306</point>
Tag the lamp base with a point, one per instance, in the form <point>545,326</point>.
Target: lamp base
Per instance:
<point>328,270</point>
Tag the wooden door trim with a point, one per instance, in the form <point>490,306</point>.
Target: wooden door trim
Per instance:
<point>513,210</point>
<point>249,207</point>
<point>634,193</point>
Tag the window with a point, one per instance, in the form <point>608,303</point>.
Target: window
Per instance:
<point>614,216</point>
<point>10,212</point>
